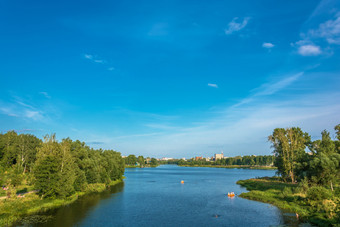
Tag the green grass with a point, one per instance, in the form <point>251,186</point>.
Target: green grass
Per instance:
<point>289,197</point>
<point>14,209</point>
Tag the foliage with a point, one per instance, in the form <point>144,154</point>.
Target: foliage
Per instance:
<point>289,148</point>
<point>57,169</point>
<point>318,205</point>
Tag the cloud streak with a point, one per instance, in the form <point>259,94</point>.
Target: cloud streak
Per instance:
<point>213,85</point>
<point>235,26</point>
<point>267,45</point>
<point>95,59</point>
<point>269,88</point>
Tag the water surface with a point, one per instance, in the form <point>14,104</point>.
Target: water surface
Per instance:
<point>156,197</point>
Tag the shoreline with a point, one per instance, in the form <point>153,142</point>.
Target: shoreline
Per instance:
<point>233,166</point>
<point>13,210</point>
<point>285,196</point>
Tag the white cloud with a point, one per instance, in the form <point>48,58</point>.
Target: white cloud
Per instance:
<point>309,50</point>
<point>20,109</point>
<point>268,45</point>
<point>88,56</point>
<point>330,30</point>
<point>35,115</point>
<point>234,26</point>
<point>111,68</point>
<point>8,111</point>
<point>213,85</point>
<point>94,59</point>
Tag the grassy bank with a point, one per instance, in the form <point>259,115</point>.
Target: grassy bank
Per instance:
<point>234,166</point>
<point>14,209</point>
<point>317,205</point>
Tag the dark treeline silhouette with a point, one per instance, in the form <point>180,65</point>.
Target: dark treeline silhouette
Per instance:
<point>56,169</point>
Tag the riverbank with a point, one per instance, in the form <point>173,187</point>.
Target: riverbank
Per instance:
<point>233,166</point>
<point>316,205</point>
<point>148,166</point>
<point>14,209</point>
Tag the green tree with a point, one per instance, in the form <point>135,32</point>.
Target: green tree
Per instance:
<point>289,148</point>
<point>153,162</point>
<point>61,172</point>
<point>141,160</point>
<point>131,160</point>
<point>324,166</point>
<point>47,175</point>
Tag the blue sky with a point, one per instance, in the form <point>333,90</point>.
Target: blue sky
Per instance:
<point>170,78</point>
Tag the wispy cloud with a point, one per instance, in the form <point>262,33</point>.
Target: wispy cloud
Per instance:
<point>235,26</point>
<point>213,85</point>
<point>267,45</point>
<point>269,88</point>
<point>94,58</point>
<point>326,34</point>
<point>24,109</point>
<point>44,93</point>
<point>329,30</point>
<point>309,50</point>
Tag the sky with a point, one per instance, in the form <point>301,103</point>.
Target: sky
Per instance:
<point>170,78</point>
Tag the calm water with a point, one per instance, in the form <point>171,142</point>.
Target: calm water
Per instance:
<point>155,197</point>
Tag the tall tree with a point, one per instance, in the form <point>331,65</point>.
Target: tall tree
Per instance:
<point>141,160</point>
<point>61,171</point>
<point>289,148</point>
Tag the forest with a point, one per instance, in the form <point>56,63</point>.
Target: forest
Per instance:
<point>54,169</point>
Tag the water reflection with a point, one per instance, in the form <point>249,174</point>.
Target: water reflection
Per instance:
<point>70,215</point>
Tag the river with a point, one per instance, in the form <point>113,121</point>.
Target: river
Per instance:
<point>156,197</point>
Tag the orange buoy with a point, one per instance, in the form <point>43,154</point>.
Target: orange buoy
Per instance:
<point>182,182</point>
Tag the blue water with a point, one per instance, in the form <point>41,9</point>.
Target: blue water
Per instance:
<point>156,197</point>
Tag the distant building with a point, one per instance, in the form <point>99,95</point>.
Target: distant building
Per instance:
<point>166,159</point>
<point>198,158</point>
<point>184,159</point>
<point>148,160</point>
<point>219,156</point>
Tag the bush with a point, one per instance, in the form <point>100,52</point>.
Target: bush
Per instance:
<point>318,193</point>
<point>287,192</point>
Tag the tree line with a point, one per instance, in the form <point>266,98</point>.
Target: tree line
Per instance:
<point>140,161</point>
<point>56,169</point>
<point>248,160</point>
<point>299,158</point>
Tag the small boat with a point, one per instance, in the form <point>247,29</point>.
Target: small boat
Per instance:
<point>231,194</point>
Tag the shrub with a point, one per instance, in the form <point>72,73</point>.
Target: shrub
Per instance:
<point>318,193</point>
